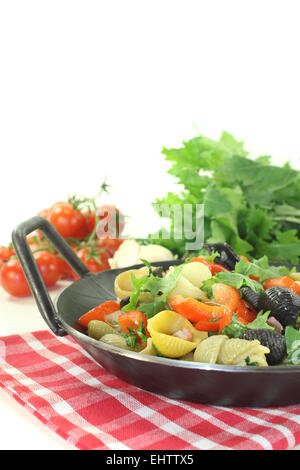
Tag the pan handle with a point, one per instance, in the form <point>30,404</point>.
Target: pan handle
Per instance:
<point>31,271</point>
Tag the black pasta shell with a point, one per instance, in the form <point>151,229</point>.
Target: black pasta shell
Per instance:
<point>283,304</point>
<point>227,256</point>
<point>252,298</point>
<point>272,340</point>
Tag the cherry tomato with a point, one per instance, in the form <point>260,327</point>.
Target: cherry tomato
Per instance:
<point>66,270</point>
<point>68,221</point>
<point>90,220</point>
<point>226,295</point>
<point>49,267</point>
<point>110,245</point>
<point>44,213</point>
<point>5,254</point>
<point>13,279</point>
<point>132,321</point>
<point>111,221</point>
<point>96,263</point>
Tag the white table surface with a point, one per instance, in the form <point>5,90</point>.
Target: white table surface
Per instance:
<point>22,429</point>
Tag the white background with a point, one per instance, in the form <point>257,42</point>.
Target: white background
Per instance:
<point>90,89</point>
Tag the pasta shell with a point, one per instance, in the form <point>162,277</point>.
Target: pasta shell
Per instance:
<point>295,276</point>
<point>219,349</point>
<point>123,283</point>
<point>190,280</point>
<point>188,357</point>
<point>257,359</point>
<point>185,288</point>
<point>149,350</point>
<point>235,350</point>
<point>117,340</point>
<point>154,253</point>
<point>196,273</point>
<point>97,329</point>
<point>209,349</point>
<point>162,328</point>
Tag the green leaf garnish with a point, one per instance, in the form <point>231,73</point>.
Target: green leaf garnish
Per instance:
<point>292,338</point>
<point>236,328</point>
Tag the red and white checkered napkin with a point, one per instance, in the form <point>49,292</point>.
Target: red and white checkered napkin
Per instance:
<point>90,408</point>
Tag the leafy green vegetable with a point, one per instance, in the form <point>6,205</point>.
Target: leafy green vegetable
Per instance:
<point>240,276</point>
<point>141,332</point>
<point>292,338</point>
<point>233,279</point>
<point>260,268</point>
<point>236,328</point>
<point>131,338</point>
<point>157,287</point>
<point>249,203</point>
<point>134,297</point>
<point>249,363</point>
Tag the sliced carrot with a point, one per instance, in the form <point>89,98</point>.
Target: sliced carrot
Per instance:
<point>99,312</point>
<point>194,310</point>
<point>226,295</point>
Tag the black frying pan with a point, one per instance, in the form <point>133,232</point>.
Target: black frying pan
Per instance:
<point>197,382</point>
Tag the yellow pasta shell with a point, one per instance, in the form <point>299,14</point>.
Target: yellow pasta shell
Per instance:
<point>190,280</point>
<point>196,273</point>
<point>185,288</point>
<point>123,283</point>
<point>295,276</point>
<point>162,328</point>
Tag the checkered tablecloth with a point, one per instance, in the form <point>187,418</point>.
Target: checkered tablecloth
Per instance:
<point>79,400</point>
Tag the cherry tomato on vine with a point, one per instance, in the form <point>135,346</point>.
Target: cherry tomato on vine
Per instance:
<point>13,279</point>
<point>110,245</point>
<point>49,266</point>
<point>5,254</point>
<point>95,263</point>
<point>44,213</point>
<point>68,221</point>
<point>90,220</point>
